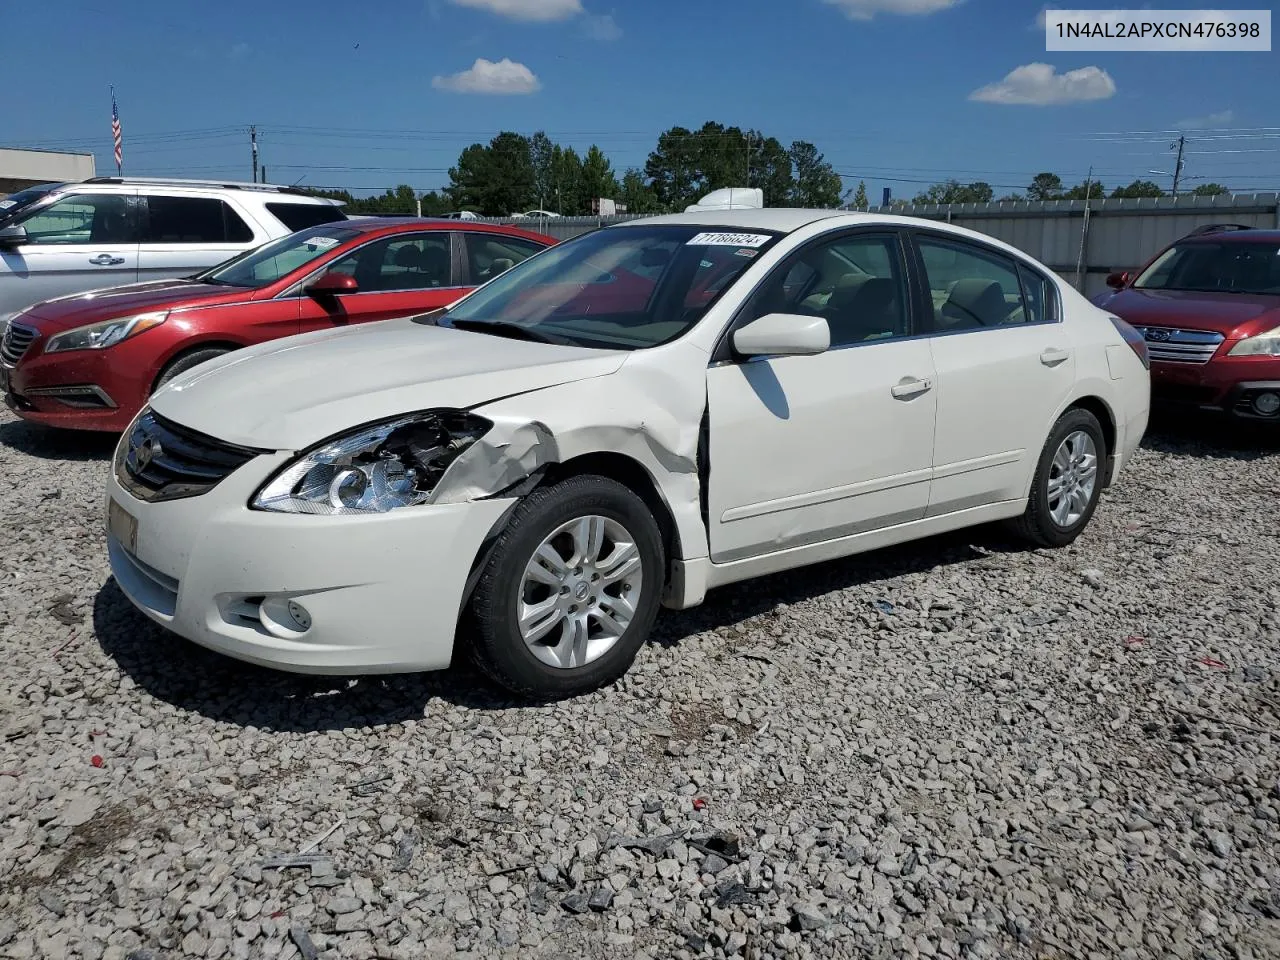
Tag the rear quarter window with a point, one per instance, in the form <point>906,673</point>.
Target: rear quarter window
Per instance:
<point>299,216</point>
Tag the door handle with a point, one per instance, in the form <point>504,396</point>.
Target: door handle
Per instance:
<point>106,260</point>
<point>908,388</point>
<point>1052,356</point>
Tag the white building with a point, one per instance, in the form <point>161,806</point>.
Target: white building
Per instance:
<point>20,169</point>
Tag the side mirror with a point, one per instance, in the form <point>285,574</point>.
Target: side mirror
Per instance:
<point>1118,281</point>
<point>334,283</point>
<point>13,236</point>
<point>783,335</point>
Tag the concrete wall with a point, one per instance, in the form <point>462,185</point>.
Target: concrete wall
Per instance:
<point>20,169</point>
<point>1122,234</point>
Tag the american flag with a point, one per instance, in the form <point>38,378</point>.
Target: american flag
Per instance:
<point>115,131</point>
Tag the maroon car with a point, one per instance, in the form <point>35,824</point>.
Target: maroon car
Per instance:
<point>1209,308</point>
<point>91,360</point>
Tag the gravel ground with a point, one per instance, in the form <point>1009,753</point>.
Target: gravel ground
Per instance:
<point>956,749</point>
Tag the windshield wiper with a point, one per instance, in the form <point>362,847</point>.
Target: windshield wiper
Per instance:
<point>504,328</point>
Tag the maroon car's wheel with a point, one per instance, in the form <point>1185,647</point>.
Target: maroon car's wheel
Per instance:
<point>183,363</point>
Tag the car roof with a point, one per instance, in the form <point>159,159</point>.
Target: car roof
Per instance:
<point>1235,236</point>
<point>372,224</point>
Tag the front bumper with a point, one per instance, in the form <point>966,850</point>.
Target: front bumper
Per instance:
<point>377,594</point>
<point>79,389</point>
<point>1224,386</point>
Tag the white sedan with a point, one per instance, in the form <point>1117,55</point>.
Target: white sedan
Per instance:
<point>624,421</point>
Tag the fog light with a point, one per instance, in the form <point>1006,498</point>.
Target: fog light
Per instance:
<point>298,614</point>
<point>1266,404</point>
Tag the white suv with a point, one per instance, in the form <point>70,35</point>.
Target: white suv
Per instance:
<point>63,238</point>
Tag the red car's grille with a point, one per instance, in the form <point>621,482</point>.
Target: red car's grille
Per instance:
<point>17,338</point>
<point>1172,345</point>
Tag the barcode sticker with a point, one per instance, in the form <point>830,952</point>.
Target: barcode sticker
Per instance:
<point>323,243</point>
<point>729,240</point>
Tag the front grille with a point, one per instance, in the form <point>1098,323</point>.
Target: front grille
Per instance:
<point>1181,346</point>
<point>161,460</point>
<point>17,337</point>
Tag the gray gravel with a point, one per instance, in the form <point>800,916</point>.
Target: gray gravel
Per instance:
<point>952,749</point>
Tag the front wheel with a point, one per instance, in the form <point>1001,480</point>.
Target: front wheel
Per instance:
<point>570,591</point>
<point>1068,481</point>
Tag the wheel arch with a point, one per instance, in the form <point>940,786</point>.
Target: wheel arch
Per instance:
<point>1106,418</point>
<point>188,347</point>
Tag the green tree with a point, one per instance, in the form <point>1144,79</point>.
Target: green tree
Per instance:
<point>860,199</point>
<point>673,169</point>
<point>542,157</point>
<point>1096,191</point>
<point>1139,188</point>
<point>771,169</point>
<point>636,194</point>
<point>494,180</point>
<point>598,180</point>
<point>953,191</point>
<point>566,177</point>
<point>1210,190</point>
<point>816,183</point>
<point>1012,197</point>
<point>1045,186</point>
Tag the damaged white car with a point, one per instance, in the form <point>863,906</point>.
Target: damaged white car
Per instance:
<point>626,420</point>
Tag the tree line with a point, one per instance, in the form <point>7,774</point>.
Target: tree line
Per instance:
<point>515,173</point>
<point>1049,186</point>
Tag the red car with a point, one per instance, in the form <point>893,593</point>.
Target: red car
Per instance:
<point>1209,308</point>
<point>90,361</point>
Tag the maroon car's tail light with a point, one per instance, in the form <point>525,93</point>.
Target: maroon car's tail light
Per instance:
<point>1134,339</point>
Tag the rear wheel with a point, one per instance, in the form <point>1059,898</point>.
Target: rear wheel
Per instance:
<point>570,591</point>
<point>184,362</point>
<point>1068,481</point>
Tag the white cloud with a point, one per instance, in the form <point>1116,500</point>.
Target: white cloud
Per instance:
<point>603,28</point>
<point>867,9</point>
<point>1040,18</point>
<point>1040,85</point>
<point>504,77</point>
<point>240,51</point>
<point>1219,119</point>
<point>527,9</point>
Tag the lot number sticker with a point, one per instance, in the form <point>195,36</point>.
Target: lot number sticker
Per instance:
<point>729,240</point>
<point>322,243</point>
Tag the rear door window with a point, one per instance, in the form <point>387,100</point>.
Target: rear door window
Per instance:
<point>490,255</point>
<point>193,220</point>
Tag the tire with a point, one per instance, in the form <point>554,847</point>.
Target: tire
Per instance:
<point>1046,523</point>
<point>184,362</point>
<point>563,660</point>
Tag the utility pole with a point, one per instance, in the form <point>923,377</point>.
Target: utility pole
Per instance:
<point>1177,167</point>
<point>253,144</point>
<point>1084,231</point>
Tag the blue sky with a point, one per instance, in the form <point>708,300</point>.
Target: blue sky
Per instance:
<point>366,96</point>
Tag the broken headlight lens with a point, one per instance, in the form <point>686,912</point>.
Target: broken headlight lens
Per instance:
<point>375,468</point>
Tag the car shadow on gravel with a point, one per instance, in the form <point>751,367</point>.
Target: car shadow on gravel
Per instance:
<point>191,678</point>
<point>51,443</point>
<point>1193,435</point>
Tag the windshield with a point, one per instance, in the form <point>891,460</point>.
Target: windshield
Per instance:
<point>1232,267</point>
<point>15,202</point>
<point>271,261</point>
<point>623,288</point>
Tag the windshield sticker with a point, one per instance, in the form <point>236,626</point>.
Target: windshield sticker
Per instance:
<point>322,243</point>
<point>6,204</point>
<point>745,253</point>
<point>729,240</point>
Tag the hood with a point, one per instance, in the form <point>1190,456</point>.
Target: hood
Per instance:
<point>1231,314</point>
<point>288,394</point>
<point>76,310</point>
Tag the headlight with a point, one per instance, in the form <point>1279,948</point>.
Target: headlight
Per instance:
<point>1263,345</point>
<point>97,336</point>
<point>374,468</point>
